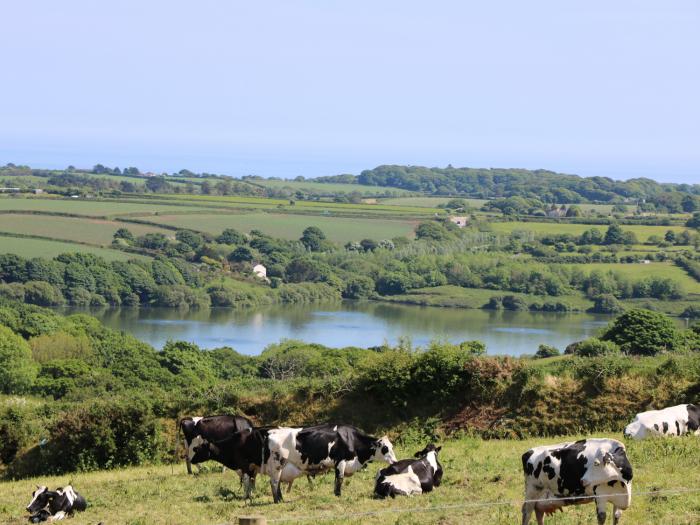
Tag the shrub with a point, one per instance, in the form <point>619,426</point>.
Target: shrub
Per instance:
<point>546,351</point>
<point>17,370</point>
<point>358,287</point>
<point>643,332</point>
<point>607,304</point>
<point>60,345</point>
<point>594,347</point>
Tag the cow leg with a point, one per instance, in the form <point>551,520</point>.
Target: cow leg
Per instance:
<point>527,512</point>
<point>187,457</point>
<point>311,481</point>
<point>600,509</point>
<point>58,516</point>
<point>339,475</point>
<point>289,486</point>
<point>275,485</point>
<point>617,514</point>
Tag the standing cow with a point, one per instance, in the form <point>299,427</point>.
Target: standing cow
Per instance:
<point>54,505</point>
<point>197,430</point>
<point>573,473</point>
<point>410,476</point>
<point>671,421</point>
<point>317,449</point>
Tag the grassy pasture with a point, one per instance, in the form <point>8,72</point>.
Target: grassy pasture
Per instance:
<point>48,249</point>
<point>476,472</point>
<point>93,231</point>
<point>288,226</point>
<point>429,202</point>
<point>92,207</point>
<point>638,271</point>
<point>642,232</point>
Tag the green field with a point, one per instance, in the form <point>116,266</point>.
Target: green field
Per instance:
<point>482,485</point>
<point>45,248</point>
<point>92,207</point>
<point>637,271</point>
<point>555,228</point>
<point>339,229</point>
<point>429,202</point>
<point>93,231</point>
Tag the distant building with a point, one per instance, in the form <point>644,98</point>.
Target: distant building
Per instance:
<point>38,191</point>
<point>9,190</point>
<point>260,272</point>
<point>459,221</point>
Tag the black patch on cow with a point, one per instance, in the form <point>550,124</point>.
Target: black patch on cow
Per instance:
<point>213,429</point>
<point>620,458</point>
<point>547,468</point>
<point>527,467</point>
<point>678,428</point>
<point>538,469</point>
<point>656,427</point>
<point>665,427</point>
<point>693,417</point>
<point>572,468</point>
<point>611,483</point>
<point>348,443</point>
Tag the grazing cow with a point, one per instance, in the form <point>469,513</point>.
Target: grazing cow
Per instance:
<point>53,505</point>
<point>410,476</point>
<point>671,421</point>
<point>196,430</point>
<point>572,473</point>
<point>313,450</point>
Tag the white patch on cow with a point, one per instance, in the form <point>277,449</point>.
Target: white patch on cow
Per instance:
<point>197,419</point>
<point>406,483</point>
<point>335,428</point>
<point>196,442</point>
<point>69,492</point>
<point>352,466</point>
<point>39,490</point>
<point>388,456</point>
<point>431,458</point>
<point>290,472</point>
<point>643,427</point>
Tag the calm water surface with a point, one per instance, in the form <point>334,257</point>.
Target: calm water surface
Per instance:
<point>352,324</point>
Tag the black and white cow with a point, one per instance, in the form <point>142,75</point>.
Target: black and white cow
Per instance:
<point>196,430</point>
<point>671,421</point>
<point>590,470</point>
<point>410,476</point>
<point>344,448</point>
<point>53,505</point>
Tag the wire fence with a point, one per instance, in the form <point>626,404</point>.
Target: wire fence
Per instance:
<point>320,517</point>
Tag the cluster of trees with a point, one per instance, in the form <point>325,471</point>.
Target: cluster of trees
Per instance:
<point>547,186</point>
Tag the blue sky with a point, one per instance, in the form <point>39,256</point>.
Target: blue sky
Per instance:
<point>287,88</point>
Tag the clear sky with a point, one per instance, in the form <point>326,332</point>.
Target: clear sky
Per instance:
<point>287,88</point>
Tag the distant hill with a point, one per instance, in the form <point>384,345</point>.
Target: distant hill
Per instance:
<point>489,183</point>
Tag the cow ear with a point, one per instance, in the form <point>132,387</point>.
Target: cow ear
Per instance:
<point>438,449</point>
<point>417,454</point>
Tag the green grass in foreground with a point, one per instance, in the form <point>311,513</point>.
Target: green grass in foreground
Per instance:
<point>93,231</point>
<point>339,229</point>
<point>476,471</point>
<point>48,249</point>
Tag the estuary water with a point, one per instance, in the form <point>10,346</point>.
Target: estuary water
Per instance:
<point>362,324</point>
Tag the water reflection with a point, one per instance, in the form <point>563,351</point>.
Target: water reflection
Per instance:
<point>351,324</point>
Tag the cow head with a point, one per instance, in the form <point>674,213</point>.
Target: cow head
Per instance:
<point>635,430</point>
<point>608,466</point>
<point>40,499</point>
<point>384,450</point>
<point>428,448</point>
<point>199,450</point>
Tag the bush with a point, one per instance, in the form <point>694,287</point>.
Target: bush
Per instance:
<point>594,347</point>
<point>358,287</point>
<point>60,345</point>
<point>17,370</point>
<point>643,332</point>
<point>607,304</point>
<point>545,351</point>
<point>104,434</point>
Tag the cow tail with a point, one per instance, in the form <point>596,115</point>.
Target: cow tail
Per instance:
<point>176,448</point>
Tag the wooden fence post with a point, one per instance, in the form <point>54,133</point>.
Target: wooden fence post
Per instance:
<point>252,520</point>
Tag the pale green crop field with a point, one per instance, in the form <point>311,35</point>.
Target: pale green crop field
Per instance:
<point>92,207</point>
<point>553,228</point>
<point>47,249</point>
<point>93,231</point>
<point>482,485</point>
<point>638,271</point>
<point>289,226</point>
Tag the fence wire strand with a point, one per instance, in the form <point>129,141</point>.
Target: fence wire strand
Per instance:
<point>471,504</point>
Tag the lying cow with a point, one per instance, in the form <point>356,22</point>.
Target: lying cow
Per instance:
<point>318,449</point>
<point>410,476</point>
<point>53,505</point>
<point>671,421</point>
<point>572,473</point>
<point>196,430</point>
